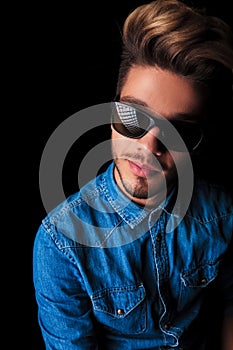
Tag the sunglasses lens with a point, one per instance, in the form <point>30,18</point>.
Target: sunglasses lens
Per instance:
<point>191,133</point>
<point>128,121</point>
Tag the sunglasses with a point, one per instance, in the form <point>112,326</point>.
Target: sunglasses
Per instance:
<point>132,122</point>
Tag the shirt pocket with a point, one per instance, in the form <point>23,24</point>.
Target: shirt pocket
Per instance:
<point>121,310</point>
<point>194,283</point>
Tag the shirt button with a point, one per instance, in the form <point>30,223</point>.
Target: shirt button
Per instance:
<point>166,326</point>
<point>203,280</point>
<point>158,238</point>
<point>120,312</point>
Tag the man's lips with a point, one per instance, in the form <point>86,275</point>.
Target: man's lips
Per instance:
<point>143,170</point>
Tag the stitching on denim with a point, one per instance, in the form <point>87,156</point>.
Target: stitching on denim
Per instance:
<point>128,310</point>
<point>221,217</point>
<point>106,291</point>
<point>75,203</point>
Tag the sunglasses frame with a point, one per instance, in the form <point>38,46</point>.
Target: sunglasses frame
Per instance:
<point>153,121</point>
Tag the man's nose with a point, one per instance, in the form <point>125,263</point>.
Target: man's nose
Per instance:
<point>151,140</point>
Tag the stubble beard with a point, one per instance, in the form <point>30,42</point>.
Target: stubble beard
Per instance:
<point>138,189</point>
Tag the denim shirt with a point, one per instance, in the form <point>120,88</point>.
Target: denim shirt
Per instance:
<point>108,275</point>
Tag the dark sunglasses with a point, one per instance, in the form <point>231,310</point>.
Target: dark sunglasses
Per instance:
<point>132,122</point>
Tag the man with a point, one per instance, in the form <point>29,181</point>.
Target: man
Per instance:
<point>141,256</point>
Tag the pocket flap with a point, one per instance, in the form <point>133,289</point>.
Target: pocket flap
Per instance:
<point>201,276</point>
<point>119,302</point>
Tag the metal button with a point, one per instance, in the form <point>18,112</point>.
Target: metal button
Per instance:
<point>158,238</point>
<point>166,326</point>
<point>203,280</point>
<point>120,312</point>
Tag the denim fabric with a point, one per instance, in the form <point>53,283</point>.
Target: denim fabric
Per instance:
<point>107,275</point>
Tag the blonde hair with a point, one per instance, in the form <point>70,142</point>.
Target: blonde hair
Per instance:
<point>174,36</point>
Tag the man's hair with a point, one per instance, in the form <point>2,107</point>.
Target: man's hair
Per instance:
<point>173,36</point>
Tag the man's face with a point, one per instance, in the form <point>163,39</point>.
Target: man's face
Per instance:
<point>144,166</point>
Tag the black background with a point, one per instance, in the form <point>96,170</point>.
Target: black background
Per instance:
<point>63,58</point>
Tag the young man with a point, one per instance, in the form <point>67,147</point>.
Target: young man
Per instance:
<point>141,256</point>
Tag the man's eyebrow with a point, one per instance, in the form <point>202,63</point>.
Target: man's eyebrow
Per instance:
<point>178,116</point>
<point>134,100</point>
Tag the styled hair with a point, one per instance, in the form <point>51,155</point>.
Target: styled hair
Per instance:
<point>173,36</point>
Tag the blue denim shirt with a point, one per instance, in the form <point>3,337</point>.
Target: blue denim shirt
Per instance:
<point>107,275</point>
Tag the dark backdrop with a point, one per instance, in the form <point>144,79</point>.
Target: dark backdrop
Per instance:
<point>68,58</point>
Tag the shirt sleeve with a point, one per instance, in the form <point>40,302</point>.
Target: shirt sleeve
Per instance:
<point>64,308</point>
<point>226,281</point>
